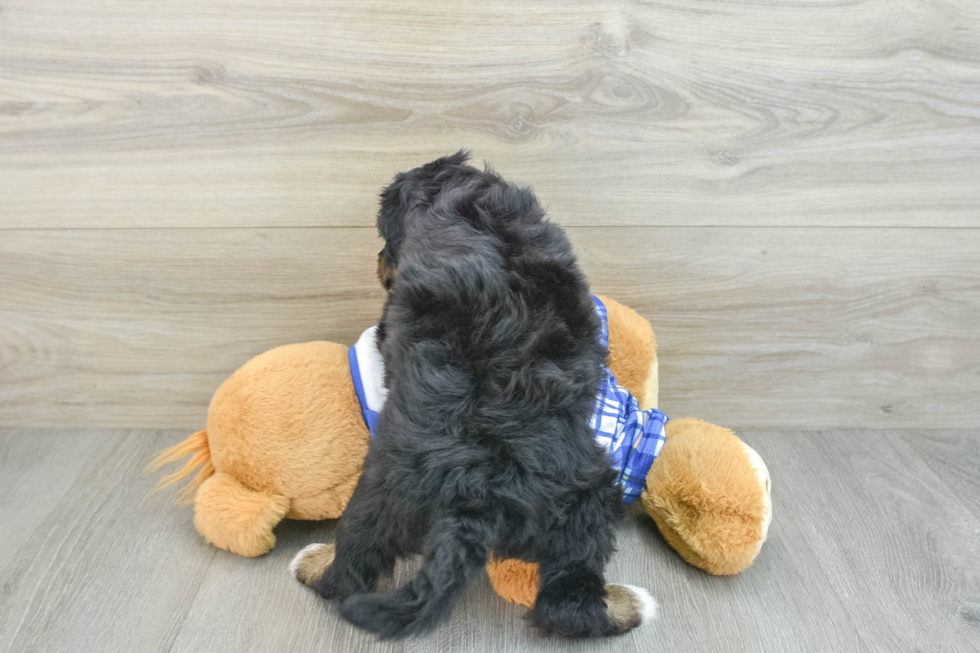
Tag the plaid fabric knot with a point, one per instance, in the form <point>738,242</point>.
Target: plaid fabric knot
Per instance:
<point>633,437</point>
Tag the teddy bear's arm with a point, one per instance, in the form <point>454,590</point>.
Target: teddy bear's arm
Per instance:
<point>632,352</point>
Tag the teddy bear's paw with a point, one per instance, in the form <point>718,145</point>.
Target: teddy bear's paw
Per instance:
<point>310,563</point>
<point>628,606</point>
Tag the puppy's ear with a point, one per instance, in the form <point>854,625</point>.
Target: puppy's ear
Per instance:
<point>386,270</point>
<point>399,201</point>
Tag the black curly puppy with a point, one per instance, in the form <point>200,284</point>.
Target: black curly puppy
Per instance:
<point>492,360</point>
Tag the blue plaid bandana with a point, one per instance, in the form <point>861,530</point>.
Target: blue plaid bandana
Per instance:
<point>633,437</point>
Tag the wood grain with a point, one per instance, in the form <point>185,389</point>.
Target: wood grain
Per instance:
<point>96,324</point>
<point>232,114</point>
<point>954,456</point>
<point>758,327</point>
<point>898,546</point>
<point>810,327</point>
<point>869,550</point>
<point>37,470</point>
<point>108,568</point>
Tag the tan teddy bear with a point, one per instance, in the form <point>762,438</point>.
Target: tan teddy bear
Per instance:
<point>286,437</point>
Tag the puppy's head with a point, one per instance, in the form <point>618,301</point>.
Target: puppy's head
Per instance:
<point>404,197</point>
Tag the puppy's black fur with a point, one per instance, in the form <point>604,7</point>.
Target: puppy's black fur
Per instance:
<point>492,359</point>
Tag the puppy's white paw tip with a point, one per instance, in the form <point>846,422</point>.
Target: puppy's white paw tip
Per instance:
<point>298,558</point>
<point>648,605</point>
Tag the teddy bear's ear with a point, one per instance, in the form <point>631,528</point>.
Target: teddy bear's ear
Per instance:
<point>709,494</point>
<point>632,352</point>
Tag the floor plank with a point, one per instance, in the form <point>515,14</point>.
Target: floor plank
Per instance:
<point>38,469</point>
<point>954,456</point>
<point>219,113</point>
<point>869,550</point>
<point>757,328</point>
<point>761,609</point>
<point>899,547</point>
<point>227,612</point>
<point>109,568</point>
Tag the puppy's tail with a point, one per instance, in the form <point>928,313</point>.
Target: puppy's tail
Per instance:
<point>456,552</point>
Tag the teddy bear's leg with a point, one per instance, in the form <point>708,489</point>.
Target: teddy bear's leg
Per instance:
<point>235,518</point>
<point>633,352</point>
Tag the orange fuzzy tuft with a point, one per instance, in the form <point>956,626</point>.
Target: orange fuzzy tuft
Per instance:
<point>514,580</point>
<point>195,446</point>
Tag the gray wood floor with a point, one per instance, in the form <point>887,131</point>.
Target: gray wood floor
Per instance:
<point>875,546</point>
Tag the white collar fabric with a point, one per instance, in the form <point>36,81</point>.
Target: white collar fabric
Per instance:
<point>367,370</point>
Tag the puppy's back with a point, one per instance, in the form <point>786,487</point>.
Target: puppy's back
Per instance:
<point>491,291</point>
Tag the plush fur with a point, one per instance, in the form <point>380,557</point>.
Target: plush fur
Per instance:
<point>709,496</point>
<point>492,363</point>
<point>222,500</point>
<point>286,437</point>
<point>514,580</point>
<point>633,352</point>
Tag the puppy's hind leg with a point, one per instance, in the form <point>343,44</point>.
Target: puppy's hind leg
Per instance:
<point>573,598</point>
<point>455,551</point>
<point>365,549</point>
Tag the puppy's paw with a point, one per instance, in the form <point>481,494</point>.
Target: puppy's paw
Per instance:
<point>628,606</point>
<point>309,564</point>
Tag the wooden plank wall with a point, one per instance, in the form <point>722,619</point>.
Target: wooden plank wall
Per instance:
<point>789,192</point>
